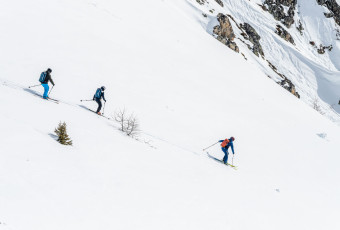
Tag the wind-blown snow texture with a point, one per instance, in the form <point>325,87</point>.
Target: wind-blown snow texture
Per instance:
<point>188,92</point>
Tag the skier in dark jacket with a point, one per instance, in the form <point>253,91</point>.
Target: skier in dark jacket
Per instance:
<point>98,96</point>
<point>225,146</point>
<point>45,83</point>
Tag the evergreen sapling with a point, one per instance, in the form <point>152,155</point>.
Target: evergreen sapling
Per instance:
<point>61,132</point>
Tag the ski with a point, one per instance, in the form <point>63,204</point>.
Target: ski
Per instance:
<point>221,162</point>
<point>48,99</point>
<point>98,114</point>
<point>51,100</point>
<point>233,166</point>
<point>38,95</point>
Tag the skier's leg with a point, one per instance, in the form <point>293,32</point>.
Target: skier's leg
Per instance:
<point>225,158</point>
<point>99,105</point>
<point>226,155</point>
<point>46,89</point>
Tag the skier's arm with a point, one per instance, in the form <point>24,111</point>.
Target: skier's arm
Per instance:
<point>103,97</point>
<point>51,81</point>
<point>232,147</point>
<point>220,140</point>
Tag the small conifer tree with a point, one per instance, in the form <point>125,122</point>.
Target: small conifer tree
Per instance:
<point>61,132</point>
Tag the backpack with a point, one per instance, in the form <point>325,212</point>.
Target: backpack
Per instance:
<point>225,143</point>
<point>42,77</point>
<point>98,93</point>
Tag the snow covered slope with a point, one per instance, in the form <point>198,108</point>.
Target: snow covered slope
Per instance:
<point>187,91</point>
<point>316,76</point>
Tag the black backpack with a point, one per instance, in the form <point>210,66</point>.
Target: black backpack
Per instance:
<point>42,77</point>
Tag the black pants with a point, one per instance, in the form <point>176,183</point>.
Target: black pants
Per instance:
<point>99,104</point>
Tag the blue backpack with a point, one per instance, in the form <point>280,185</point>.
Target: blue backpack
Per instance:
<point>42,77</point>
<point>98,93</point>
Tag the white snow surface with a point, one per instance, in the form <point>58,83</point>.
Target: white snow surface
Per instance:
<point>188,91</point>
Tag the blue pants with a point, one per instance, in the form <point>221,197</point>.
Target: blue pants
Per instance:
<point>46,89</point>
<point>225,158</point>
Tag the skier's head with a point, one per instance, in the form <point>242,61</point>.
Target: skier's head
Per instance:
<point>103,88</point>
<point>232,138</point>
<point>49,70</point>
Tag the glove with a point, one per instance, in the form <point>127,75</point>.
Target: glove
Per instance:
<point>105,101</point>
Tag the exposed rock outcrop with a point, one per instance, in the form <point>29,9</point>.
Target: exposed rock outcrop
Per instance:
<point>332,6</point>
<point>300,28</point>
<point>321,49</point>
<point>288,85</point>
<point>201,2</point>
<point>219,2</point>
<point>284,34</point>
<point>285,82</point>
<point>276,8</point>
<point>225,32</point>
<point>251,35</point>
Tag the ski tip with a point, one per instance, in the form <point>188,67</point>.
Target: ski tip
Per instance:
<point>233,166</point>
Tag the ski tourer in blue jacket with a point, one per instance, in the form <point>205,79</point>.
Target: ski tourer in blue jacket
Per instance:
<point>98,96</point>
<point>225,146</point>
<point>45,81</point>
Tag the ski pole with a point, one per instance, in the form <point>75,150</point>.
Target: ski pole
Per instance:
<point>232,160</point>
<point>104,107</point>
<point>33,86</point>
<point>50,91</point>
<point>210,146</point>
<point>86,100</point>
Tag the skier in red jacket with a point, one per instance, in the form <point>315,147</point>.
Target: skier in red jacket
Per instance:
<point>225,146</point>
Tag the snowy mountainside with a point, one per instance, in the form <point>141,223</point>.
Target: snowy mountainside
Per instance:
<point>157,62</point>
<point>309,59</point>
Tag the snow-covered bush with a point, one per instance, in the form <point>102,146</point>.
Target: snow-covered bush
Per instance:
<point>128,122</point>
<point>316,105</point>
<point>61,132</point>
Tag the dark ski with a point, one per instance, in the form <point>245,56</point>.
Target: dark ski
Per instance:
<point>220,161</point>
<point>98,114</point>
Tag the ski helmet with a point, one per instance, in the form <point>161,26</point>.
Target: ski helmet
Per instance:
<point>49,70</point>
<point>103,88</point>
<point>232,138</point>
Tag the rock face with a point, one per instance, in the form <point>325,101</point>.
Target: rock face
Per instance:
<point>288,85</point>
<point>285,82</point>
<point>253,37</point>
<point>219,2</point>
<point>321,49</point>
<point>275,7</point>
<point>201,2</point>
<point>300,28</point>
<point>225,33</point>
<point>334,7</point>
<point>284,34</point>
